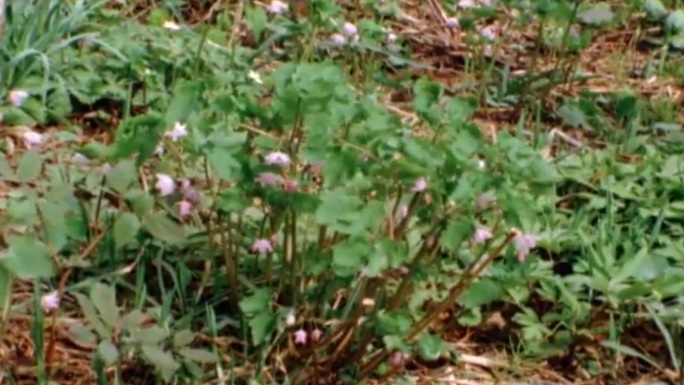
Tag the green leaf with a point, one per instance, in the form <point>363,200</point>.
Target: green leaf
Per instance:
<point>91,316</point>
<point>186,97</point>
<point>163,228</point>
<point>675,21</point>
<point>259,302</point>
<point>596,14</point>
<point>348,256</point>
<point>198,355</point>
<point>108,352</point>
<point>5,168</point>
<point>456,233</point>
<point>125,229</point>
<point>223,163</point>
<point>27,258</point>
<point>459,110</point>
<point>81,334</point>
<point>5,287</point>
<point>152,335</point>
<point>431,347</point>
<point>183,338</point>
<point>482,292</point>
<point>162,360</point>
<point>122,176</point>
<point>397,322</point>
<point>132,320</point>
<point>104,299</point>
<point>257,20</point>
<point>655,9</point>
<point>30,166</point>
<point>261,326</point>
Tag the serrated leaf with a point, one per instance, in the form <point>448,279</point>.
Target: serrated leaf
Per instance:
<point>163,228</point>
<point>104,299</point>
<point>186,96</point>
<point>125,229</point>
<point>223,163</point>
<point>29,167</point>
<point>482,292</point>
<point>108,352</point>
<point>198,355</point>
<point>27,258</point>
<point>456,233</point>
<point>183,338</point>
<point>122,176</point>
<point>162,360</point>
<point>91,315</point>
<point>256,303</point>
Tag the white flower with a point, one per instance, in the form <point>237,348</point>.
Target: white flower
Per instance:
<point>255,77</point>
<point>277,7</point>
<point>171,25</point>
<point>278,159</point>
<point>165,185</point>
<point>80,159</point>
<point>290,319</point>
<point>17,97</point>
<point>391,37</point>
<point>179,131</point>
<point>32,138</point>
<point>105,169</point>
<point>50,301</point>
<point>465,4</point>
<point>349,30</point>
<point>159,150</point>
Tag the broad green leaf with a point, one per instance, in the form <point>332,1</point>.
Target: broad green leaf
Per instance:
<point>5,168</point>
<point>596,14</point>
<point>675,21</point>
<point>163,228</point>
<point>257,20</point>
<point>81,334</point>
<point>125,229</point>
<point>30,166</point>
<point>186,97</point>
<point>198,355</point>
<point>122,176</point>
<point>183,338</point>
<point>482,292</point>
<point>259,302</point>
<point>456,233</point>
<point>53,215</point>
<point>261,326</point>
<point>152,335</point>
<point>162,360</point>
<point>223,163</point>
<point>397,322</point>
<point>655,9</point>
<point>348,256</point>
<point>108,352</point>
<point>431,347</point>
<point>133,320</point>
<point>104,298</point>
<point>5,287</point>
<point>92,316</point>
<point>27,258</point>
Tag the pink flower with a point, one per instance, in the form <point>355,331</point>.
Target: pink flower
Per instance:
<point>262,246</point>
<point>337,40</point>
<point>452,22</point>
<point>349,30</point>
<point>524,243</point>
<point>32,138</point>
<point>268,179</point>
<point>189,193</point>
<point>419,185</point>
<point>159,150</point>
<point>290,186</point>
<point>401,213</point>
<point>184,208</point>
<point>277,7</point>
<point>50,302</point>
<point>488,33</point>
<point>398,359</point>
<point>277,158</point>
<point>316,335</point>
<point>177,132</point>
<point>465,4</point>
<point>17,97</point>
<point>165,185</point>
<point>482,235</point>
<point>300,337</point>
